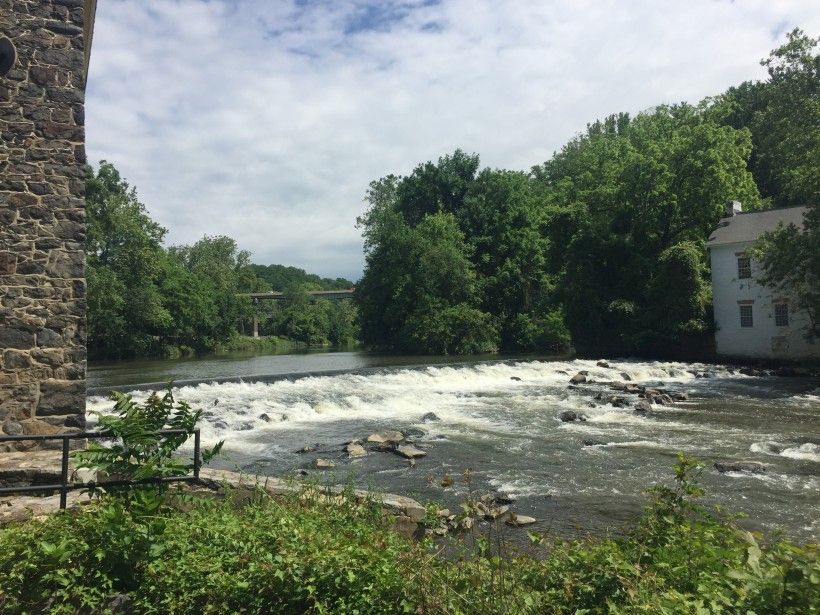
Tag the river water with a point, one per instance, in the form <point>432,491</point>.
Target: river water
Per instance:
<point>500,419</point>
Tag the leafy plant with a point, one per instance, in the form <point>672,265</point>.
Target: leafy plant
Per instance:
<point>140,451</point>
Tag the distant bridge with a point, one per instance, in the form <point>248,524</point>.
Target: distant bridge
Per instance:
<point>327,295</point>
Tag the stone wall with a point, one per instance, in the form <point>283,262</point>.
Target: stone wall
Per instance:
<point>42,219</point>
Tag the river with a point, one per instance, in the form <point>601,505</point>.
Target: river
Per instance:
<point>499,418</point>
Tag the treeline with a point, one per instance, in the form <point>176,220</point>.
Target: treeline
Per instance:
<point>148,300</point>
<point>301,318</point>
<point>600,247</point>
<point>281,278</point>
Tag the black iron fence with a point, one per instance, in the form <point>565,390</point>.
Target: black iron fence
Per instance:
<point>65,485</point>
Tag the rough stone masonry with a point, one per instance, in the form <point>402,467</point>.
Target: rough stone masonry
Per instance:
<point>42,218</point>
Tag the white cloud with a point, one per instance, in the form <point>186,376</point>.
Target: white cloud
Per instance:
<point>266,120</point>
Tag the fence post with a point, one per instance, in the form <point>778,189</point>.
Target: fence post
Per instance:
<point>197,457</point>
<point>64,474</point>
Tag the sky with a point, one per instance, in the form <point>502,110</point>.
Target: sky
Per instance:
<point>265,120</point>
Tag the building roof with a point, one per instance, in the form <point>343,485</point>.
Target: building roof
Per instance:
<point>750,226</point>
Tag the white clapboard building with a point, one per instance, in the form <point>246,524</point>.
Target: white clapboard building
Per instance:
<point>753,320</point>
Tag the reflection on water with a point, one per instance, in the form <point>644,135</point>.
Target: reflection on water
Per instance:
<point>249,365</point>
<point>501,419</point>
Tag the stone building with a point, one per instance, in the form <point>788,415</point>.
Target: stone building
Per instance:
<point>752,320</point>
<point>44,54</point>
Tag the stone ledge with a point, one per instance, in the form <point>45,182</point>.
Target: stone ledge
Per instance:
<point>407,511</point>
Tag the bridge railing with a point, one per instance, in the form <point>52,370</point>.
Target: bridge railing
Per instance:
<point>65,485</point>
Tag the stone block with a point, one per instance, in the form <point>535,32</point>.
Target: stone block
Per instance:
<point>16,359</point>
<point>48,338</point>
<point>8,261</point>
<point>61,397</point>
<point>17,401</point>
<point>15,338</point>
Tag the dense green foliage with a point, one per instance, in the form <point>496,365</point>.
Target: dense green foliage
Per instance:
<point>281,278</point>
<point>602,244</point>
<point>790,101</point>
<point>307,555</point>
<point>783,115</point>
<point>301,318</point>
<point>144,299</point>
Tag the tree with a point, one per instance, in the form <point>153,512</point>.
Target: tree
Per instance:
<point>219,263</point>
<point>783,115</point>
<point>146,300</point>
<point>790,260</point>
<point>623,194</point>
<point>124,256</point>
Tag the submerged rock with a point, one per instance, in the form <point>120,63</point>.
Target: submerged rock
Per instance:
<point>502,498</point>
<point>495,512</point>
<point>520,520</point>
<point>643,407</point>
<point>592,443</point>
<point>749,467</point>
<point>578,378</point>
<point>415,513</point>
<point>568,416</point>
<point>323,464</point>
<point>265,417</point>
<point>602,364</point>
<point>516,378</point>
<point>625,376</point>
<point>429,417</point>
<point>385,437</point>
<point>414,432</point>
<point>617,401</point>
<point>409,451</point>
<point>355,449</point>
<point>679,396</point>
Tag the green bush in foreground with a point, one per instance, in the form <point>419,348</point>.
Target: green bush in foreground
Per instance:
<point>305,555</point>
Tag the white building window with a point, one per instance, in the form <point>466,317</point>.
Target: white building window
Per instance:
<point>746,316</point>
<point>744,267</point>
<point>781,314</point>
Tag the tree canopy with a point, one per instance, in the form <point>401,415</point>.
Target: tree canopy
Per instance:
<point>602,244</point>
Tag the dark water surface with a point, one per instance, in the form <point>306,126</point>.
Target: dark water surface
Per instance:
<point>500,419</point>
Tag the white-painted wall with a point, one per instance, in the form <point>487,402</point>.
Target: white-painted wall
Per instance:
<point>764,339</point>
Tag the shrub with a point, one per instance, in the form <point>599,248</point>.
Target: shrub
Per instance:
<point>308,555</point>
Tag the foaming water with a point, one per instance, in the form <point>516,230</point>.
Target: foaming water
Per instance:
<point>502,420</point>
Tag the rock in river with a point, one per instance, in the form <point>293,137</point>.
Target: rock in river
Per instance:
<point>602,364</point>
<point>568,416</point>
<point>578,378</point>
<point>354,449</point>
<point>429,417</point>
<point>324,464</point>
<point>520,520</point>
<point>385,437</point>
<point>409,451</point>
<point>750,467</point>
<point>643,407</point>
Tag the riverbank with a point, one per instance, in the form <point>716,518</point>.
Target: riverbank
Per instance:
<point>309,554</point>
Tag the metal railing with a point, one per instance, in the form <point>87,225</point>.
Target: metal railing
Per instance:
<point>65,485</point>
